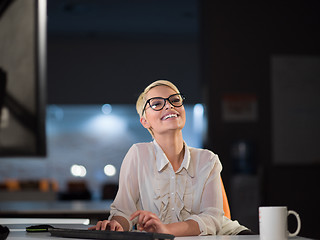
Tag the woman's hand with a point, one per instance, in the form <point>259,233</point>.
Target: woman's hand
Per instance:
<point>149,222</point>
<point>111,225</point>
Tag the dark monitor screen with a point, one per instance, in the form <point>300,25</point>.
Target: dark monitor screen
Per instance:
<point>22,77</point>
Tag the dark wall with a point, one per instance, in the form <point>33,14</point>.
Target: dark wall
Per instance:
<point>238,40</point>
<point>89,70</point>
<point>109,51</point>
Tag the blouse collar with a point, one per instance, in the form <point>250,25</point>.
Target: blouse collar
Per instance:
<point>162,160</point>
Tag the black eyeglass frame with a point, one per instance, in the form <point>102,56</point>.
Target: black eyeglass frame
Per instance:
<point>165,99</point>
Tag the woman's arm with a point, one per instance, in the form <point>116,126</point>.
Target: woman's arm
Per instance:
<point>186,228</point>
<point>207,193</point>
<point>150,222</point>
<point>122,221</point>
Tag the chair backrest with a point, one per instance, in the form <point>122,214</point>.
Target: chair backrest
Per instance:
<point>226,207</point>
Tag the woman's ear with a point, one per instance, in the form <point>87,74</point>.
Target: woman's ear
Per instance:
<point>145,122</point>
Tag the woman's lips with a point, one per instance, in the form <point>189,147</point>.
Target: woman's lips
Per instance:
<point>170,115</point>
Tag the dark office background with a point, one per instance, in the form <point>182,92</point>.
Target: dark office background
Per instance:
<point>220,53</point>
<point>239,42</point>
<point>107,51</point>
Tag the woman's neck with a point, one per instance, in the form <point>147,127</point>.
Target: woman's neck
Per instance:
<point>173,146</point>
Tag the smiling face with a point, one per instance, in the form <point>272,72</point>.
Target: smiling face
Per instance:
<point>169,119</point>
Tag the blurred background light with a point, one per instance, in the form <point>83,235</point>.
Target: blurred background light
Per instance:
<point>106,109</point>
<point>86,222</point>
<point>110,170</point>
<point>198,115</point>
<point>107,124</point>
<point>78,170</point>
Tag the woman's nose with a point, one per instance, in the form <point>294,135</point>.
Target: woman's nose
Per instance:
<point>168,105</point>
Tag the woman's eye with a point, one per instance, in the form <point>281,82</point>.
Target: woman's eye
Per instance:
<point>156,104</point>
<point>176,100</point>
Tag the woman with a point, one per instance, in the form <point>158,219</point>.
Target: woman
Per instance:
<point>166,186</point>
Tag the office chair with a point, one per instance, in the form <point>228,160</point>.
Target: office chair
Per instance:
<point>226,207</point>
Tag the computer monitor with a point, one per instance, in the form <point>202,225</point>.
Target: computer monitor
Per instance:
<point>22,77</point>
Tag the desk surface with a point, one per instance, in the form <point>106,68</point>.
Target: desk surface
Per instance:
<point>23,235</point>
<point>17,231</point>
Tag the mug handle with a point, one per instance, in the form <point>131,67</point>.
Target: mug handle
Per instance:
<point>298,223</point>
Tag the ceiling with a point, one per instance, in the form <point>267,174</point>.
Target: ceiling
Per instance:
<point>123,17</point>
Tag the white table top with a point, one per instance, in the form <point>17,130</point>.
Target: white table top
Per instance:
<point>17,228</point>
<point>35,236</point>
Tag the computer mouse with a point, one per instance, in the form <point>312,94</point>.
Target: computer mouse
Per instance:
<point>39,228</point>
<point>4,232</point>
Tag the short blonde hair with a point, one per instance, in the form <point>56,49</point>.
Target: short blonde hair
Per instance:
<point>142,98</point>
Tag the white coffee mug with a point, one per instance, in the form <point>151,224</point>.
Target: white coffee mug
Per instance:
<point>273,223</point>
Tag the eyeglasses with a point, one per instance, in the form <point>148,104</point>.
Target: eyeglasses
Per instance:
<point>158,103</point>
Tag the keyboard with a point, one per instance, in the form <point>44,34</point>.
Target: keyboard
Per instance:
<point>110,235</point>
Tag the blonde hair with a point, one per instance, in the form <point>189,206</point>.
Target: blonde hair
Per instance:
<point>142,98</point>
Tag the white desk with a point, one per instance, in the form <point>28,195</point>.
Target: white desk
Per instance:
<point>36,236</point>
<point>236,237</point>
<point>17,231</point>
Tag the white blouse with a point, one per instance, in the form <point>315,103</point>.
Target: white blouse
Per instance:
<point>148,182</point>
